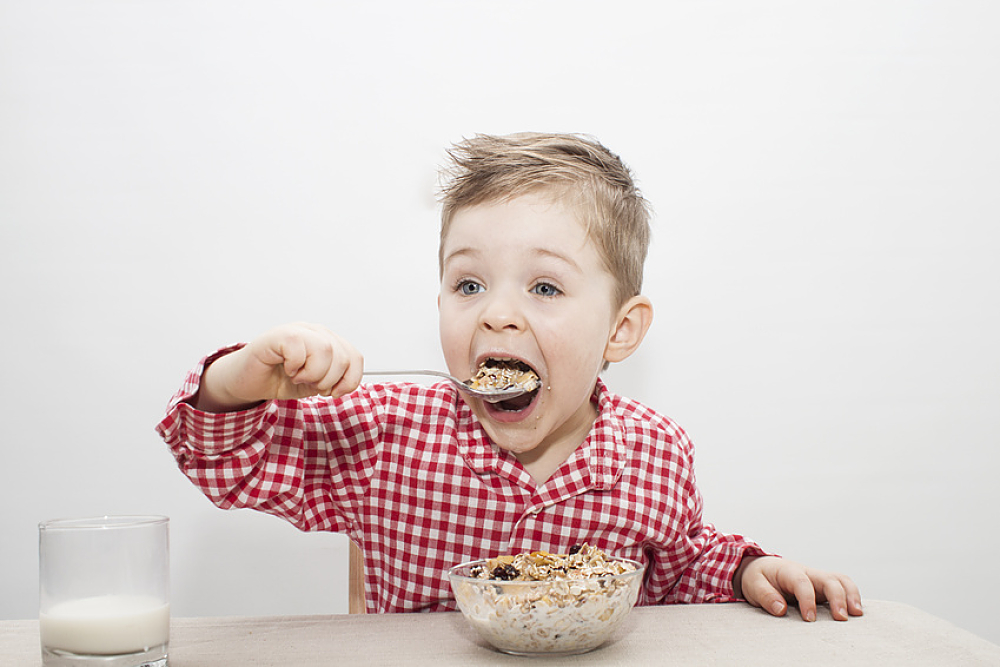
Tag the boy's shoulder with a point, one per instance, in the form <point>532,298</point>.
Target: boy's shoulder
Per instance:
<point>652,447</point>
<point>639,419</point>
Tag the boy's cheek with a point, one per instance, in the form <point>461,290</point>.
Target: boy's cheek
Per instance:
<point>449,315</point>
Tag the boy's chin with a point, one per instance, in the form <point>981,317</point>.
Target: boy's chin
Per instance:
<point>518,449</point>
<point>511,440</point>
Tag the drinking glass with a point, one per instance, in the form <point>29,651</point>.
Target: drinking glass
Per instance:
<point>104,591</point>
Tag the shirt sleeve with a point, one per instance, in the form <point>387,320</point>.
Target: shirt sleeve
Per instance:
<point>306,461</point>
<point>698,563</point>
<point>708,576</point>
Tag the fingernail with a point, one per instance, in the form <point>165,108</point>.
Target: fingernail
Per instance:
<point>777,608</point>
<point>810,616</point>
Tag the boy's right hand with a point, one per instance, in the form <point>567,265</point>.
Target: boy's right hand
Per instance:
<point>287,362</point>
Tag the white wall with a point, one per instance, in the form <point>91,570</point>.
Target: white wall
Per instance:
<point>176,176</point>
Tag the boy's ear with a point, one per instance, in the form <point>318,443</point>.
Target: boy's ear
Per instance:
<point>631,326</point>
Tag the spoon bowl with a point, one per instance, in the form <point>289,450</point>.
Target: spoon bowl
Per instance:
<point>488,395</point>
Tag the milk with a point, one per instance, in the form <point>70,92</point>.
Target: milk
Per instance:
<point>106,625</point>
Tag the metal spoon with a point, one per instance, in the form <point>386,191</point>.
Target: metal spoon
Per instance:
<point>488,395</point>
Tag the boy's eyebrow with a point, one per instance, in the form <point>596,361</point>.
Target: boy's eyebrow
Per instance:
<point>459,252</point>
<point>566,259</point>
<point>539,252</point>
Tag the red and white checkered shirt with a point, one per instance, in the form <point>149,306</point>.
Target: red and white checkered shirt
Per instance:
<point>410,475</point>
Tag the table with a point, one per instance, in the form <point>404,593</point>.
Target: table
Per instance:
<point>711,634</point>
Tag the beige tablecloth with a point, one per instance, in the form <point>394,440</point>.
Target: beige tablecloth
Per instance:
<point>706,635</point>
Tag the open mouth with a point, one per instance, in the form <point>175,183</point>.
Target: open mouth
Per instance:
<point>497,373</point>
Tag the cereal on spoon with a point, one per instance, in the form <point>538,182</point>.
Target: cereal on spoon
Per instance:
<point>494,375</point>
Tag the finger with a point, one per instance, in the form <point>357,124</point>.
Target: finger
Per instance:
<point>801,587</point>
<point>775,605</point>
<point>293,354</point>
<point>854,606</point>
<point>337,365</point>
<point>351,377</point>
<point>759,592</point>
<point>342,365</point>
<point>836,598</point>
<point>319,329</point>
<point>320,356</point>
<point>334,373</point>
<point>345,375</point>
<point>327,359</point>
<point>840,593</point>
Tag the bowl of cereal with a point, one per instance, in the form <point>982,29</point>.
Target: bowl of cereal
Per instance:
<point>543,604</point>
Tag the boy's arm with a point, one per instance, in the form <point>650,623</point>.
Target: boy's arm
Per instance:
<point>769,582</point>
<point>275,457</point>
<point>288,362</point>
<point>700,564</point>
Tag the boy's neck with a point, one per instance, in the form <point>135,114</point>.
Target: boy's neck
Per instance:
<point>543,461</point>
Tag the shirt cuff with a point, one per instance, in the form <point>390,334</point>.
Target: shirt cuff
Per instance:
<point>207,433</point>
<point>729,559</point>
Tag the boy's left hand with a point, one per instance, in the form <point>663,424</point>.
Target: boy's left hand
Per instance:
<point>769,582</point>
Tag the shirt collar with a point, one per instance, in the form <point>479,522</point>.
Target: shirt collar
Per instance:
<point>604,451</point>
<point>597,463</point>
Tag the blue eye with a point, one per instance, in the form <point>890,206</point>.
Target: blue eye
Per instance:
<point>468,287</point>
<point>545,289</point>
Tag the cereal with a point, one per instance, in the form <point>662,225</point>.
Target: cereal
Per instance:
<point>547,603</point>
<point>582,562</point>
<point>494,376</point>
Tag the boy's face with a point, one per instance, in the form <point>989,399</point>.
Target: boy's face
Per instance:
<point>522,280</point>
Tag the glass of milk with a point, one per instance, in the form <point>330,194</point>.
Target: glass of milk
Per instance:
<point>104,591</point>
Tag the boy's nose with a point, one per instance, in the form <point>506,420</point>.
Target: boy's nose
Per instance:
<point>501,314</point>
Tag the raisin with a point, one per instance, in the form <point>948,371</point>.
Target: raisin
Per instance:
<point>575,549</point>
<point>505,572</point>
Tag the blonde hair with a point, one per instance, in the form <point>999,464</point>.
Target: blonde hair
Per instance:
<point>578,170</point>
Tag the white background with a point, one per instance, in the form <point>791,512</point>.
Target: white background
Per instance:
<point>176,176</point>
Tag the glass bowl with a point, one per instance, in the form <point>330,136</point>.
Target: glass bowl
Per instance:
<point>562,616</point>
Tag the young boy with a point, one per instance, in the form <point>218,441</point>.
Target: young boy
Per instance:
<point>543,241</point>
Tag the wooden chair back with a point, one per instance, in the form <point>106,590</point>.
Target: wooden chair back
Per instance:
<point>356,581</point>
